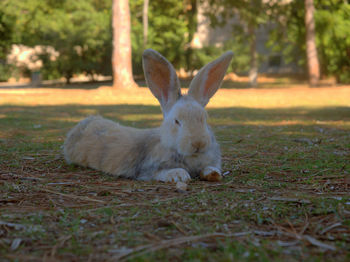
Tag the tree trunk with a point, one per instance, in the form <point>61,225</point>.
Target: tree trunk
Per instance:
<point>311,50</point>
<point>121,57</point>
<point>145,22</point>
<point>192,27</point>
<point>68,75</point>
<point>253,72</point>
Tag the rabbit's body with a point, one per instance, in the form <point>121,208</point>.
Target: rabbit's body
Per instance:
<point>181,148</point>
<point>133,153</point>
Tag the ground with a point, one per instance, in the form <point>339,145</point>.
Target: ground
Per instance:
<point>285,194</point>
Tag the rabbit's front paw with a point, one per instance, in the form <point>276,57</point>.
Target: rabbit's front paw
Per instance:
<point>173,175</point>
<point>211,174</point>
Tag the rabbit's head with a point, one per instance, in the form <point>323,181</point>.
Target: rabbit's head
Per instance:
<point>185,127</point>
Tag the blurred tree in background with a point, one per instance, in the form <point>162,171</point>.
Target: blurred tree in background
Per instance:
<point>250,15</point>
<point>332,18</point>
<point>333,36</point>
<point>311,49</point>
<point>167,30</point>
<point>121,57</point>
<point>6,39</point>
<point>81,31</point>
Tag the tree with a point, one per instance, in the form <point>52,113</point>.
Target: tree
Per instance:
<point>311,50</point>
<point>332,20</point>
<point>6,28</point>
<point>192,24</point>
<point>167,31</point>
<point>6,32</point>
<point>145,22</point>
<point>79,30</point>
<point>250,14</point>
<point>333,30</point>
<point>253,71</point>
<point>121,58</point>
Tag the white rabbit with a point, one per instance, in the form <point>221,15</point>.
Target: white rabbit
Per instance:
<point>182,147</point>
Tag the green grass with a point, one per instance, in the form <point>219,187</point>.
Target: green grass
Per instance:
<point>287,178</point>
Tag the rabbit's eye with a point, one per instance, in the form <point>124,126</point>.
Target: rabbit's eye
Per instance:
<point>177,122</point>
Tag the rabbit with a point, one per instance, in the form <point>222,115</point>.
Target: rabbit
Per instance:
<point>183,147</point>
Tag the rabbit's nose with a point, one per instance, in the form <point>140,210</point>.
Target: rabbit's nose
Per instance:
<point>198,145</point>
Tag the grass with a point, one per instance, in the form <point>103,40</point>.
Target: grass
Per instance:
<point>285,195</point>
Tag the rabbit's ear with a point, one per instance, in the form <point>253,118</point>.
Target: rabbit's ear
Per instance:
<point>208,80</point>
<point>161,78</point>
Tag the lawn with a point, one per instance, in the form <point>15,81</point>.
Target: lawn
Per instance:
<point>285,195</point>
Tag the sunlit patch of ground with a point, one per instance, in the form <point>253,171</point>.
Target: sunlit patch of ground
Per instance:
<point>285,195</point>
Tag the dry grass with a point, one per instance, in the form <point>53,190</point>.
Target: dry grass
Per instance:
<point>285,195</point>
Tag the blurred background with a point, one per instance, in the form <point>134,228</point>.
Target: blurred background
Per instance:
<point>285,146</point>
<point>74,40</point>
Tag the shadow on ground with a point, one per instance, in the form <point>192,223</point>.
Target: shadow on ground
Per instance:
<point>286,182</point>
<point>61,117</point>
<point>256,126</point>
<point>281,82</point>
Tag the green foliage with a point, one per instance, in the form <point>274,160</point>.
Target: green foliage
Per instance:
<point>249,15</point>
<point>51,69</point>
<point>5,72</point>
<point>332,19</point>
<point>250,12</point>
<point>136,35</point>
<point>6,32</point>
<point>168,30</point>
<point>240,60</point>
<point>79,30</point>
<point>288,37</point>
<point>333,31</point>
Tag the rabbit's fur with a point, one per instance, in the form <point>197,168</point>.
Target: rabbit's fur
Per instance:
<point>181,148</point>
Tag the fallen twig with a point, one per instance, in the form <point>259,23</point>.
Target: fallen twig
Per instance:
<point>308,238</point>
<point>315,242</point>
<point>15,226</point>
<point>285,199</point>
<point>15,243</point>
<point>265,233</point>
<point>137,251</point>
<point>135,204</point>
<point>61,183</point>
<point>321,171</point>
<point>330,227</point>
<point>60,243</point>
<point>287,244</point>
<point>73,196</point>
<point>26,257</point>
<point>180,229</point>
